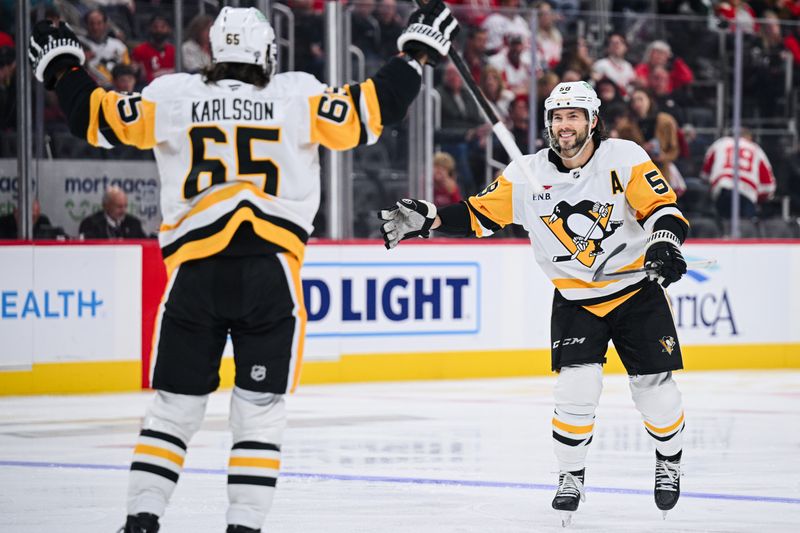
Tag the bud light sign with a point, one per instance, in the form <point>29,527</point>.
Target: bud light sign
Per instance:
<point>376,299</point>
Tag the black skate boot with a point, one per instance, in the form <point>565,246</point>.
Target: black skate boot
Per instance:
<point>569,494</point>
<point>140,523</point>
<point>668,481</point>
<point>232,528</point>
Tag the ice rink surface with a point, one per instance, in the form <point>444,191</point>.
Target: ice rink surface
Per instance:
<point>437,456</point>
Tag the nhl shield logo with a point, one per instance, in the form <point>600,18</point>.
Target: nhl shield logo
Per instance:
<point>667,344</point>
<point>258,372</point>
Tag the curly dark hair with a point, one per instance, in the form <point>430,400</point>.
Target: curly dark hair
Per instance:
<point>244,72</point>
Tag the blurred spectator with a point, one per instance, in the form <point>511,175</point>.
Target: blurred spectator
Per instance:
<point>475,52</point>
<point>121,14</point>
<point>8,88</point>
<point>6,40</point>
<point>544,86</point>
<point>309,33</point>
<point>42,228</point>
<point>614,66</point>
<point>519,116</point>
<point>575,58</point>
<point>756,179</point>
<point>196,48</point>
<point>765,69</point>
<point>735,12</point>
<point>654,131</point>
<point>612,103</point>
<point>103,51</point>
<point>365,28</point>
<point>659,54</point>
<point>463,132</point>
<point>668,101</point>
<point>472,13</point>
<point>445,184</point>
<point>513,64</point>
<point>494,89</point>
<point>391,26</point>
<point>504,21</point>
<point>113,222</point>
<point>123,79</point>
<point>675,7</point>
<point>549,41</point>
<point>156,56</point>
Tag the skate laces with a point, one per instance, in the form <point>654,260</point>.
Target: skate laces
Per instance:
<point>571,485</point>
<point>667,474</point>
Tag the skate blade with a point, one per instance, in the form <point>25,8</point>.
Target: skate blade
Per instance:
<point>566,518</point>
<point>664,515</point>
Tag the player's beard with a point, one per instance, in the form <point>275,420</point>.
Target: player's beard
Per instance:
<point>570,148</point>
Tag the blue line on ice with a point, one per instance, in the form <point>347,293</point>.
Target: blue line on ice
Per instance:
<point>422,481</point>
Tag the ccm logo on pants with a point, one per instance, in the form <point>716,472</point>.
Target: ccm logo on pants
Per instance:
<point>568,342</point>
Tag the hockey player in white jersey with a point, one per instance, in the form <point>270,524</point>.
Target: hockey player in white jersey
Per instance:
<point>598,193</point>
<point>237,153</point>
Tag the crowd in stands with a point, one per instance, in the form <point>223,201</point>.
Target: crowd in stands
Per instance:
<point>657,76</point>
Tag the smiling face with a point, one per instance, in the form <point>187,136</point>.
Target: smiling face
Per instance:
<point>570,128</point>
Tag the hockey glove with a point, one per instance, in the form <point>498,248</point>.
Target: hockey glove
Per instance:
<point>406,219</point>
<point>52,50</point>
<point>430,30</point>
<point>664,256</point>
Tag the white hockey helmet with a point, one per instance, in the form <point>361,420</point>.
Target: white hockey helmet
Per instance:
<point>243,35</point>
<point>572,94</point>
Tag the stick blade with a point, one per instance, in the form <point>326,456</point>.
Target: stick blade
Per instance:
<point>599,275</point>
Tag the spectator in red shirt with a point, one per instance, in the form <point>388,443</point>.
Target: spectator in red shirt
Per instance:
<point>156,56</point>
<point>659,54</point>
<point>445,184</point>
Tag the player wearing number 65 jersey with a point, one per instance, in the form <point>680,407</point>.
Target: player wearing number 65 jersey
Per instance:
<point>237,152</point>
<point>598,193</point>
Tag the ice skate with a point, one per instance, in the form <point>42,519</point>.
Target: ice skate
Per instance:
<point>569,495</point>
<point>140,523</point>
<point>241,529</point>
<point>668,482</point>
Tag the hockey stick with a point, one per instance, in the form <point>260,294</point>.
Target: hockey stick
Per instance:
<point>500,130</point>
<point>601,275</point>
<point>561,258</point>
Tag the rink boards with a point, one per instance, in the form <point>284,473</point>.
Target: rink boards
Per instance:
<point>79,317</point>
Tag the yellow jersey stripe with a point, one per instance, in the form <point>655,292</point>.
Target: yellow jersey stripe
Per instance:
<point>575,283</point>
<point>302,316</point>
<point>667,429</point>
<point>216,243</point>
<point>255,462</point>
<point>371,98</point>
<point>94,116</point>
<point>159,452</point>
<point>581,430</point>
<point>603,308</point>
<point>215,198</point>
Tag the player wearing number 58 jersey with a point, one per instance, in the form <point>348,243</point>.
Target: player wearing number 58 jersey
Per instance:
<point>237,152</point>
<point>597,194</point>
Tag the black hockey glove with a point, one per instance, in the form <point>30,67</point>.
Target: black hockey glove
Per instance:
<point>430,30</point>
<point>52,50</point>
<point>664,256</point>
<point>406,219</point>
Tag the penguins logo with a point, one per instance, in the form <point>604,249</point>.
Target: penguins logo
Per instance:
<point>668,344</point>
<point>581,229</point>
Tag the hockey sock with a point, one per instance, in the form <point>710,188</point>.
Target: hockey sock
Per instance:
<point>257,421</point>
<point>659,401</point>
<point>577,393</point>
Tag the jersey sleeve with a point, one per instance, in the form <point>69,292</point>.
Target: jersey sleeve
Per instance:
<point>106,118</point>
<point>492,208</point>
<point>117,118</point>
<point>343,118</point>
<point>649,194</point>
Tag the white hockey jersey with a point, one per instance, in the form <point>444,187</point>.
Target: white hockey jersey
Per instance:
<point>582,215</point>
<point>230,152</point>
<point>756,179</point>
